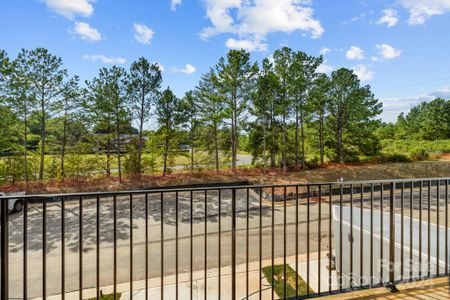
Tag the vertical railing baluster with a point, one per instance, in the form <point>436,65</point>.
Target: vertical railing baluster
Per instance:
<point>273,242</point>
<point>296,241</point>
<point>392,237</point>
<point>330,245</point>
<point>247,244</point>
<point>206,245</point>
<point>44,249</point>
<point>420,228</point>
<point>320,237</point>
<point>4,264</point>
<point>341,195</point>
<point>381,235</point>
<point>284,243</point>
<point>97,249</point>
<point>411,224</point>
<point>233,244</point>
<point>80,247</point>
<point>438,182</point>
<point>176,245</point>
<point>191,245</point>
<point>162,245</point>
<point>402,228</point>
<point>361,236</point>
<point>115,245</point>
<point>260,243</point>
<point>131,246</point>
<point>429,229</point>
<point>351,242</point>
<point>308,220</point>
<point>371,233</point>
<point>446,227</point>
<point>220,244</point>
<point>146,246</point>
<point>25,249</point>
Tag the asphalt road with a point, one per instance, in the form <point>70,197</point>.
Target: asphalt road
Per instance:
<point>136,230</point>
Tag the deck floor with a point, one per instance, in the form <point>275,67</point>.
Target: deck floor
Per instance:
<point>433,289</point>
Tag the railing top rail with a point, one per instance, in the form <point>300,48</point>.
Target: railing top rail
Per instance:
<point>216,188</point>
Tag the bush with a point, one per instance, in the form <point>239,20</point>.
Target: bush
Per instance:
<point>419,154</point>
<point>391,157</point>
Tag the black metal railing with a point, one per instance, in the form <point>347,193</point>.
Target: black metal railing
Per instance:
<point>252,241</point>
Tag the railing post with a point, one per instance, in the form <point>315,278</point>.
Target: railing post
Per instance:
<point>4,248</point>
<point>391,284</point>
<point>233,244</point>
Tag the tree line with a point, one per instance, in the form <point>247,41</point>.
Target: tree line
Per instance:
<point>283,111</point>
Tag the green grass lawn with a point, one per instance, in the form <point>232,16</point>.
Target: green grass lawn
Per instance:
<point>108,297</point>
<point>278,283</point>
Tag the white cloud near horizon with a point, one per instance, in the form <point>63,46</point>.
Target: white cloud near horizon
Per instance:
<point>325,68</point>
<point>174,4</point>
<point>86,32</point>
<point>187,69</point>
<point>389,18</point>
<point>355,53</point>
<point>324,50</point>
<point>71,8</point>
<point>143,34</point>
<point>388,52</point>
<point>363,73</point>
<point>421,11</point>
<point>104,59</point>
<point>248,45</point>
<point>254,20</point>
<point>392,107</point>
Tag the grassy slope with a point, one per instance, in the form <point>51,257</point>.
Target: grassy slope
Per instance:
<point>329,173</point>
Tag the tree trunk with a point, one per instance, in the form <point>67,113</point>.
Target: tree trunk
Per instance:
<point>321,138</point>
<point>302,129</point>
<point>141,126</point>
<point>284,143</point>
<point>25,146</point>
<point>192,152</point>
<point>216,148</point>
<point>118,148</point>
<point>297,146</point>
<point>233,142</point>
<point>64,141</point>
<point>166,147</point>
<point>340,142</point>
<point>41,166</point>
<point>108,156</point>
<point>264,146</point>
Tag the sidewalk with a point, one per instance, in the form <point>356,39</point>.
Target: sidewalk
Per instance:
<point>198,289</point>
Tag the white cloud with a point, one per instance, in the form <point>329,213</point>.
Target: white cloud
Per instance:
<point>255,19</point>
<point>71,8</point>
<point>161,67</point>
<point>355,53</point>
<point>324,51</point>
<point>142,33</point>
<point>325,68</point>
<point>388,52</point>
<point>174,4</point>
<point>248,45</point>
<point>188,69</point>
<point>421,11</point>
<point>390,18</point>
<point>363,73</point>
<point>105,59</point>
<point>392,107</point>
<point>86,32</point>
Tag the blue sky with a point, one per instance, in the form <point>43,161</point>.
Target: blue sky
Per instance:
<point>400,47</point>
